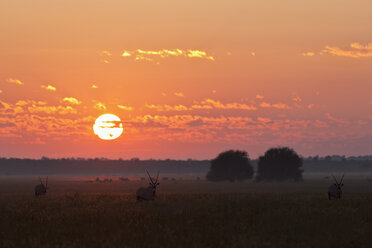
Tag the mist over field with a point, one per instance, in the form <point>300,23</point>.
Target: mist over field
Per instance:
<point>136,167</point>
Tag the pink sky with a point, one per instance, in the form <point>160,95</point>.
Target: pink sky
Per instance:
<point>188,79</point>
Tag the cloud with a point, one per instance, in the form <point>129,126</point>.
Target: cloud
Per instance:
<point>179,94</point>
<point>1,91</point>
<point>71,100</point>
<point>274,105</point>
<point>106,53</point>
<point>52,109</point>
<point>198,54</point>
<point>258,96</point>
<point>264,120</point>
<point>125,107</point>
<point>94,86</point>
<point>234,105</point>
<point>332,118</point>
<point>205,104</point>
<point>15,81</point>
<point>126,54</point>
<point>99,106</point>
<point>297,99</point>
<point>21,103</point>
<point>198,106</point>
<point>49,87</point>
<point>167,107</point>
<point>320,124</point>
<point>308,54</point>
<point>153,55</point>
<point>355,50</point>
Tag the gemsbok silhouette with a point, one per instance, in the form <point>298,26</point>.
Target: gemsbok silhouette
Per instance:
<point>41,189</point>
<point>148,194</point>
<point>335,191</point>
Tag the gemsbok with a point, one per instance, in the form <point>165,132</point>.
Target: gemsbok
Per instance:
<point>41,189</point>
<point>335,191</point>
<point>148,194</point>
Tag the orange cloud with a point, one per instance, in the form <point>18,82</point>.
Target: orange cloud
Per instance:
<point>71,100</point>
<point>297,99</point>
<point>125,107</point>
<point>198,54</point>
<point>180,94</point>
<point>106,53</point>
<point>21,103</point>
<point>52,109</point>
<point>49,87</point>
<point>263,119</point>
<point>167,107</point>
<point>258,96</point>
<point>126,54</point>
<point>151,55</point>
<point>274,105</point>
<point>308,54</point>
<point>206,104</point>
<point>332,118</point>
<point>99,106</point>
<point>15,81</point>
<point>355,50</point>
<point>234,105</point>
<point>94,86</point>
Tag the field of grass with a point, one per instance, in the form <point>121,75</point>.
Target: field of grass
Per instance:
<point>186,213</point>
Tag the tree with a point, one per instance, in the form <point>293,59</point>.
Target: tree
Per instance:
<point>230,166</point>
<point>279,164</point>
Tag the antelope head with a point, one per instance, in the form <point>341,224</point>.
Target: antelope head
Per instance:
<point>338,184</point>
<point>46,183</point>
<point>153,183</point>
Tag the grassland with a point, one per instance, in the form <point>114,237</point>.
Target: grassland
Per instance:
<point>186,213</point>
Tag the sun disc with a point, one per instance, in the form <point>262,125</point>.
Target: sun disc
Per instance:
<point>108,127</point>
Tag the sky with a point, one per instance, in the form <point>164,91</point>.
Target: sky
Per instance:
<point>188,79</point>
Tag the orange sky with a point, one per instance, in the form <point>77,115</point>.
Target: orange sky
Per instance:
<point>187,78</point>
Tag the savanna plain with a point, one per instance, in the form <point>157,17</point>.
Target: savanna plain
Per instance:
<point>187,212</point>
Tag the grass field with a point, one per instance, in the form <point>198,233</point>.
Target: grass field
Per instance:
<point>186,213</point>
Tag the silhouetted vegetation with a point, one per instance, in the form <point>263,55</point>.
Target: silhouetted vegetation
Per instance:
<point>230,166</point>
<point>279,164</point>
<point>135,167</point>
<point>99,166</point>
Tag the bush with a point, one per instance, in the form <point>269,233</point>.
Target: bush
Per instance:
<point>230,166</point>
<point>279,164</point>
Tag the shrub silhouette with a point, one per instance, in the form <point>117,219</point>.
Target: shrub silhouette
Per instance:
<point>279,164</point>
<point>230,166</point>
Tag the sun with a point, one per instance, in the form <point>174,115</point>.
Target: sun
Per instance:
<point>108,127</point>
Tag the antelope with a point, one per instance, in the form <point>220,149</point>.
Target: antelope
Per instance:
<point>335,190</point>
<point>41,189</point>
<point>148,194</point>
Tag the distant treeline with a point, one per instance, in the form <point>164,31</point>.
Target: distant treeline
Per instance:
<point>137,167</point>
<point>100,166</point>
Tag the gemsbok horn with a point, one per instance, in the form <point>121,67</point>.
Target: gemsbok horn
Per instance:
<point>335,191</point>
<point>41,189</point>
<point>148,194</point>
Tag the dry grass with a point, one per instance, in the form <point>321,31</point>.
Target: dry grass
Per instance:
<point>185,214</point>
